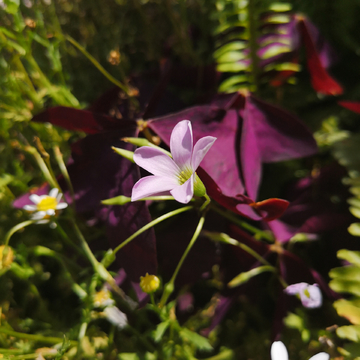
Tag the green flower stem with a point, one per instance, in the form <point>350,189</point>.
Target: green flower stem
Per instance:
<point>206,202</point>
<point>141,337</point>
<point>98,267</point>
<point>82,333</point>
<point>68,241</point>
<point>42,165</point>
<point>151,224</point>
<point>16,228</point>
<point>38,338</point>
<point>232,217</point>
<point>44,251</point>
<point>152,299</point>
<point>169,287</point>
<point>123,87</point>
<point>32,356</point>
<point>60,160</point>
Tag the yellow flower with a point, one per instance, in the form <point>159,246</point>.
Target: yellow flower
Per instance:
<point>6,261</point>
<point>103,298</point>
<point>149,283</point>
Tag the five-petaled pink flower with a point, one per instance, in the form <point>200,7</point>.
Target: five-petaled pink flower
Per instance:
<point>310,295</point>
<point>177,174</point>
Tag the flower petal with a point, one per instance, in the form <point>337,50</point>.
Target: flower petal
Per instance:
<point>50,212</point>
<point>61,205</point>
<point>116,317</point>
<point>156,162</point>
<point>278,351</point>
<point>320,356</point>
<point>54,192</point>
<point>184,193</point>
<point>181,143</point>
<point>296,288</point>
<point>30,207</point>
<point>35,198</point>
<point>45,221</point>
<point>312,297</point>
<point>38,215</point>
<point>151,186</point>
<point>201,147</point>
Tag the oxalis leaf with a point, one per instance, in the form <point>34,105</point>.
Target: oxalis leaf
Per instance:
<point>199,341</point>
<point>352,257</point>
<point>160,330</point>
<point>351,332</point>
<point>348,310</point>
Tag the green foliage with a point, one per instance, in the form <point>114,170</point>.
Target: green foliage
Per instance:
<point>241,26</point>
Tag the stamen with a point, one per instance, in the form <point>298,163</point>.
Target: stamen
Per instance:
<point>48,203</point>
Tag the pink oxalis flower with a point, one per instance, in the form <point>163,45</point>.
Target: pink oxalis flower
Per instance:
<point>310,295</point>
<point>177,174</point>
<point>279,352</point>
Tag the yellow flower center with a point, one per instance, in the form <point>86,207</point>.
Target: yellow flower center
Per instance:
<point>307,293</point>
<point>185,175</point>
<point>149,283</point>
<point>6,256</point>
<point>47,203</point>
<point>101,297</point>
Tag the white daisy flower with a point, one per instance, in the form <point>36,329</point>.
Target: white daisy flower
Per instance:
<point>45,206</point>
<point>278,352</point>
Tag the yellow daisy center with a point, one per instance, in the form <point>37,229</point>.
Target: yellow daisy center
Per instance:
<point>47,203</point>
<point>101,297</point>
<point>149,283</point>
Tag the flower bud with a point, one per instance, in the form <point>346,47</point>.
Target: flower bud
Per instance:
<point>149,283</point>
<point>6,256</point>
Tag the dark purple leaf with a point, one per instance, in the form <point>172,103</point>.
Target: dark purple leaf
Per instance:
<point>321,81</point>
<point>211,120</point>
<point>351,105</point>
<point>75,119</point>
<point>269,134</point>
<point>97,173</point>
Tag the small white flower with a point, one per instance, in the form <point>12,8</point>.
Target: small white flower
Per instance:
<point>310,295</point>
<point>115,316</point>
<point>45,206</point>
<point>278,352</point>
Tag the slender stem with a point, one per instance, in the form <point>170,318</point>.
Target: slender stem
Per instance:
<point>16,228</point>
<point>68,241</point>
<point>98,66</point>
<point>50,179</point>
<point>84,245</point>
<point>169,287</point>
<point>98,267</point>
<point>152,299</point>
<point>151,224</point>
<point>243,224</point>
<point>33,356</point>
<point>60,160</point>
<point>40,338</point>
<point>141,337</point>
<point>250,251</point>
<point>82,333</point>
<point>206,202</point>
